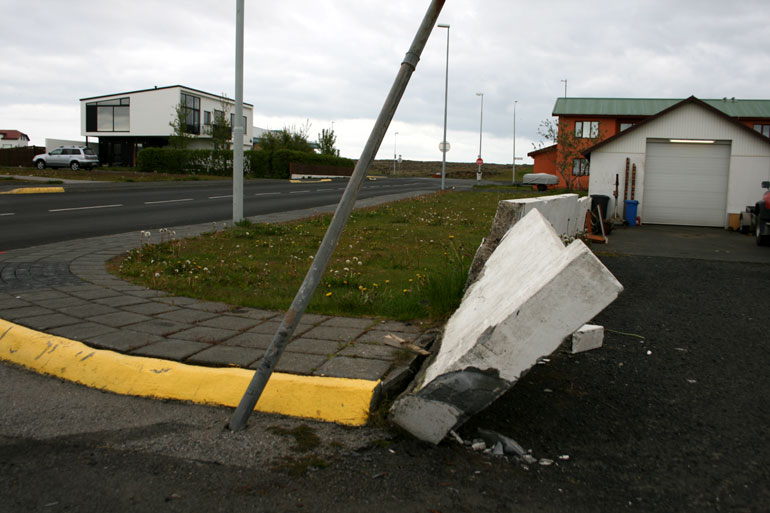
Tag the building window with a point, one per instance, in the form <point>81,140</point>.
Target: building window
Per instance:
<point>625,126</point>
<point>109,115</point>
<point>763,129</point>
<point>206,117</point>
<point>232,123</point>
<point>192,107</point>
<point>580,167</point>
<point>587,129</point>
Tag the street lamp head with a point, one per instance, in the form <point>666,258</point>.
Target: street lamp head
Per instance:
<point>443,25</point>
<point>479,94</point>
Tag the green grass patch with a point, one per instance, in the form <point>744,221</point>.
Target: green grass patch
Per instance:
<point>404,260</point>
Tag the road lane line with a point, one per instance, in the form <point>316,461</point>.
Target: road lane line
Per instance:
<point>84,208</point>
<point>266,193</point>
<point>7,214</point>
<point>220,197</point>
<point>299,192</point>
<point>168,201</point>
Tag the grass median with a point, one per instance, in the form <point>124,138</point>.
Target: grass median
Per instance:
<point>405,260</point>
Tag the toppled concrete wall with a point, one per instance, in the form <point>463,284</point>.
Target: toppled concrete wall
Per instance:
<point>533,292</point>
<point>565,212</point>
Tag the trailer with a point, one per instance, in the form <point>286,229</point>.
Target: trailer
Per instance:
<point>539,180</point>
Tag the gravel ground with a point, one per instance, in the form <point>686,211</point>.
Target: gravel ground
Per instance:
<point>670,415</point>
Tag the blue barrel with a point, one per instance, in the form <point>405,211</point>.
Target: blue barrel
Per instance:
<point>631,207</point>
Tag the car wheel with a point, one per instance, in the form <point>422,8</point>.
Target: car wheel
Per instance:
<point>542,187</point>
<point>762,240</point>
<point>74,165</point>
<point>40,164</point>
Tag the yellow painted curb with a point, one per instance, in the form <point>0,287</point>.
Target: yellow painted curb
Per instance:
<point>310,181</point>
<point>34,190</point>
<point>340,400</point>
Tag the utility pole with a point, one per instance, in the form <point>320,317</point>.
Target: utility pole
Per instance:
<point>238,127</point>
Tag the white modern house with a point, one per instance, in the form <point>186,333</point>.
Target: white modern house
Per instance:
<point>126,122</point>
<point>13,139</point>
<point>695,165</point>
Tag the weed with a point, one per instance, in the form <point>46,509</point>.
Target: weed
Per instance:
<point>304,436</point>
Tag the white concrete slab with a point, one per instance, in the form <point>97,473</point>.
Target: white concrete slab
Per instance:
<point>589,336</point>
<point>533,292</point>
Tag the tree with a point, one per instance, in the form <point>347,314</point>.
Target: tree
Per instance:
<point>326,141</point>
<point>289,138</point>
<point>221,129</point>
<point>568,148</point>
<point>179,138</point>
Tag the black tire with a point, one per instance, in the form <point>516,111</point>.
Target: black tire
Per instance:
<point>762,240</point>
<point>75,165</point>
<point>542,187</point>
<point>40,164</point>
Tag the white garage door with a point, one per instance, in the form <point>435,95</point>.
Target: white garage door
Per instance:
<point>686,184</point>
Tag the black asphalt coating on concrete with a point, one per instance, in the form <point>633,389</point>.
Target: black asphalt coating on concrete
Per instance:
<point>671,414</point>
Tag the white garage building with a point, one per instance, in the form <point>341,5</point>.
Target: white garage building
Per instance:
<point>694,166</point>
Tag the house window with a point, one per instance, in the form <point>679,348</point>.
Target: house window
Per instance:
<point>763,129</point>
<point>206,117</point>
<point>580,167</point>
<point>232,123</point>
<point>192,107</point>
<point>108,115</point>
<point>587,129</point>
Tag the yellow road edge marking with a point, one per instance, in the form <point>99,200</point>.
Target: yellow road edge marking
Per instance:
<point>34,190</point>
<point>340,400</point>
<point>310,181</point>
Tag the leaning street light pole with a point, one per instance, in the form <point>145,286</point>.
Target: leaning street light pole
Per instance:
<point>318,267</point>
<point>481,127</point>
<point>238,127</point>
<point>444,148</point>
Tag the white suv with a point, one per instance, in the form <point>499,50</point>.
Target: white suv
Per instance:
<point>73,157</point>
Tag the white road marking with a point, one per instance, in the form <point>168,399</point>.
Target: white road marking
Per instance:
<point>8,214</point>
<point>83,208</point>
<point>168,201</point>
<point>220,197</point>
<point>266,193</point>
<point>298,192</point>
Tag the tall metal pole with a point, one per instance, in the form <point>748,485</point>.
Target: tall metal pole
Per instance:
<point>238,127</point>
<point>341,215</point>
<point>565,87</point>
<point>481,126</point>
<point>513,174</point>
<point>446,100</point>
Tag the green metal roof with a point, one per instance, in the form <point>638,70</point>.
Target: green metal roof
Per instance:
<point>650,106</point>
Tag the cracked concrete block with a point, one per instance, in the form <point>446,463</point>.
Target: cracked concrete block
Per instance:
<point>589,336</point>
<point>560,210</point>
<point>532,293</point>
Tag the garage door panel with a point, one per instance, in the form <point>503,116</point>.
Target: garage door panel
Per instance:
<point>686,183</point>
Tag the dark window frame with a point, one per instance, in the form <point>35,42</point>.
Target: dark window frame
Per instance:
<point>93,116</point>
<point>192,107</point>
<point>592,126</point>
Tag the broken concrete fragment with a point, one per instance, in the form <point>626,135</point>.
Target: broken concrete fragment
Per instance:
<point>510,446</point>
<point>565,212</point>
<point>533,293</point>
<point>589,336</point>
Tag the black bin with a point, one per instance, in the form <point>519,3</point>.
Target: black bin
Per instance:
<point>602,202</point>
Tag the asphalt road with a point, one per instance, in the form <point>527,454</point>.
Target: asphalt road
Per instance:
<point>88,210</point>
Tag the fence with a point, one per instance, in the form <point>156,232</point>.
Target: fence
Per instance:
<point>22,156</point>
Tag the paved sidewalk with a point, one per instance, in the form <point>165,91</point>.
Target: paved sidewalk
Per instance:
<point>63,289</point>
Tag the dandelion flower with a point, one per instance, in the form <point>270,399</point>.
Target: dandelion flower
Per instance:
<point>328,294</point>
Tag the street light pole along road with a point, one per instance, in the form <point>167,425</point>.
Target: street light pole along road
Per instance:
<point>481,127</point>
<point>444,145</point>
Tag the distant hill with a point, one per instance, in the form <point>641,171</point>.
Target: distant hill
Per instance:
<point>453,169</point>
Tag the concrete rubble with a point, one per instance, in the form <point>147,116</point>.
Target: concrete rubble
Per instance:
<point>531,294</point>
<point>565,212</point>
<point>588,337</point>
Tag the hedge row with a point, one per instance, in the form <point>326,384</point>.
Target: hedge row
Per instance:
<point>260,164</point>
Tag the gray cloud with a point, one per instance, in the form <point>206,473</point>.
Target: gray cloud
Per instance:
<point>335,60</point>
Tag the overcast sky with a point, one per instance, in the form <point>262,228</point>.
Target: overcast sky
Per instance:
<point>324,61</point>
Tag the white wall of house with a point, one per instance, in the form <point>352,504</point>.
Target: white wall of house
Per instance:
<point>21,142</point>
<point>152,111</point>
<point>749,157</point>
